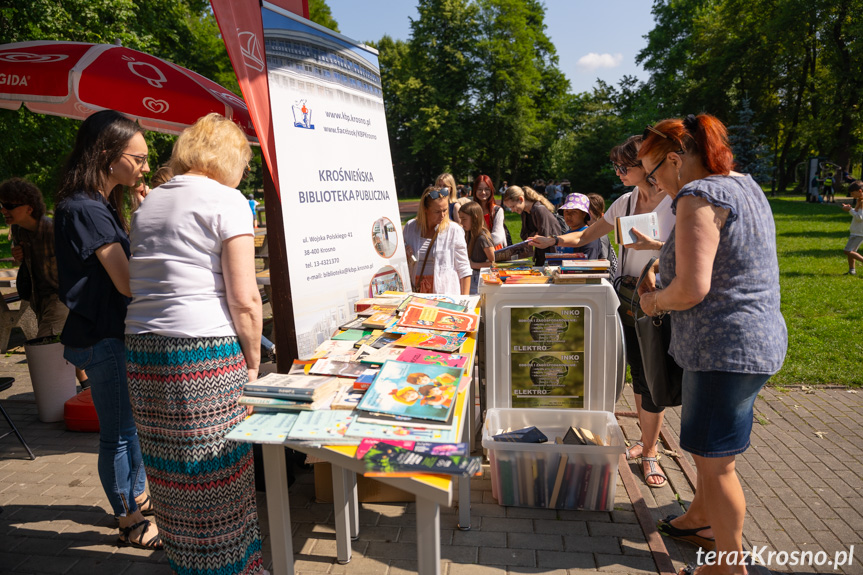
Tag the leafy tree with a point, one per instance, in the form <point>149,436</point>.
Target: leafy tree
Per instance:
<point>751,156</point>
<point>319,13</point>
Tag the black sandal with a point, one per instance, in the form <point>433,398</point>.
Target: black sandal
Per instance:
<point>149,511</point>
<point>665,527</point>
<point>125,539</point>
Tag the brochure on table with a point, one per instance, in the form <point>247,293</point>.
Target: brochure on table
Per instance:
<point>343,233</point>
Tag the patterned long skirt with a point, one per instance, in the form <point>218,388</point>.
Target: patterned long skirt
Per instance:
<point>184,395</point>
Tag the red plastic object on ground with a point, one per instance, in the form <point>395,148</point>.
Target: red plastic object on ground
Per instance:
<point>80,413</point>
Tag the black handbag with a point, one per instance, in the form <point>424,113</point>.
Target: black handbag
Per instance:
<point>664,377</point>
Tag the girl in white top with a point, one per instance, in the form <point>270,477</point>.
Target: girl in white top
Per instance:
<point>645,198</point>
<point>447,268</point>
<point>856,211</point>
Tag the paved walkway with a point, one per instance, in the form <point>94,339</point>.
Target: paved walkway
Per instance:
<point>803,478</point>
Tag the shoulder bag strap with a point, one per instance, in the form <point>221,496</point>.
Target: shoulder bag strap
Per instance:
<point>641,279</point>
<point>428,252</point>
<point>622,247</point>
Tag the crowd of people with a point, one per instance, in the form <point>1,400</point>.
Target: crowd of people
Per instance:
<point>162,314</point>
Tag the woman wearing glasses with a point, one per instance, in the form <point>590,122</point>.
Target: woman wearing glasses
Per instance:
<point>193,336</point>
<point>92,249</point>
<point>447,181</point>
<point>483,194</point>
<point>436,248</point>
<point>645,198</point>
<point>720,278</point>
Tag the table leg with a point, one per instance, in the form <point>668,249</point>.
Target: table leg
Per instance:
<point>354,504</point>
<point>428,537</point>
<point>342,504</point>
<point>464,503</point>
<point>278,508</point>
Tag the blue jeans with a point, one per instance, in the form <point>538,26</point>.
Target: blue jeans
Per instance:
<point>121,467</point>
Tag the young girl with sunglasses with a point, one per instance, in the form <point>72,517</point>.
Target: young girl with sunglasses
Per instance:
<point>479,247</point>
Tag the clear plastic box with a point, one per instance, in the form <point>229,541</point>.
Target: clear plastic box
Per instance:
<point>526,474</point>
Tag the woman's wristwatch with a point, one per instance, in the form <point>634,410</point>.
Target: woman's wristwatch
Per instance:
<point>557,240</point>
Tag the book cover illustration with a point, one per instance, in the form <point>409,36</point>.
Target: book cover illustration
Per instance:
<point>288,386</point>
<point>378,320</point>
<point>421,391</point>
<point>264,428</point>
<point>359,429</point>
<point>325,427</point>
<point>418,446</point>
<point>332,348</point>
<point>365,379</point>
<point>437,342</point>
<point>385,459</point>
<point>373,356</point>
<point>438,318</point>
<point>326,366</point>
<point>428,357</point>
<point>430,302</point>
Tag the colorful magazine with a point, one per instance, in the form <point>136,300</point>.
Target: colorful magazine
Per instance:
<point>413,390</point>
<point>417,300</point>
<point>387,460</point>
<point>436,342</point>
<point>428,357</point>
<point>448,449</point>
<point>437,318</point>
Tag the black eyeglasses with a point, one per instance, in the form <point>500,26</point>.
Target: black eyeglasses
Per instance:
<point>622,169</point>
<point>651,179</point>
<point>140,160</point>
<point>9,207</point>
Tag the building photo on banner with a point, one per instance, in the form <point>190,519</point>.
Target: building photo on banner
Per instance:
<point>342,226</point>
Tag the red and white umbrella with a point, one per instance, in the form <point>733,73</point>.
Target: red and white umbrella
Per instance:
<point>74,80</point>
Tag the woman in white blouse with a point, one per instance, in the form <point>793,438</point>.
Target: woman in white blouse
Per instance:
<point>436,248</point>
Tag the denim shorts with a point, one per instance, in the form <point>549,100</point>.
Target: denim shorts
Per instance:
<point>716,416</point>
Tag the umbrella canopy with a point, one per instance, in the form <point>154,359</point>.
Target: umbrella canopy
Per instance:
<point>74,80</point>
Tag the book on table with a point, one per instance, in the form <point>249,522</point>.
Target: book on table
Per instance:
<point>323,427</point>
<point>387,460</point>
<point>404,420</point>
<point>647,224</point>
<point>347,397</point>
<point>326,366</point>
<point>269,404</point>
<point>361,429</point>
<point>437,318</point>
<point>288,386</point>
<point>439,342</point>
<point>413,390</point>
<point>373,356</point>
<point>426,356</point>
<point>429,302</point>
<point>378,320</point>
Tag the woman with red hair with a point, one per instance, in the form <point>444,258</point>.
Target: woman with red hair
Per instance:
<point>720,279</point>
<point>483,194</point>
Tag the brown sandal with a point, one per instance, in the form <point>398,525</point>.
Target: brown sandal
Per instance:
<point>125,539</point>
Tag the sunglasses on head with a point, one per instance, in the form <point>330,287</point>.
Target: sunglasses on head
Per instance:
<point>438,193</point>
<point>9,207</point>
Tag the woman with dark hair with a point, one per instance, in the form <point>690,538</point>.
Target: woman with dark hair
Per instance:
<point>483,194</point>
<point>193,334</point>
<point>645,198</point>
<point>719,269</point>
<point>436,247</point>
<point>92,248</point>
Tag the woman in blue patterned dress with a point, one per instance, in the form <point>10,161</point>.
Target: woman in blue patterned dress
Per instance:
<point>720,277</point>
<point>193,334</point>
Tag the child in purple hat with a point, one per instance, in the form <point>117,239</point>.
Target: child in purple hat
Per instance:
<point>576,213</point>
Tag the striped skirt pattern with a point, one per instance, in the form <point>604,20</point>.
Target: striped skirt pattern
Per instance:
<point>184,395</point>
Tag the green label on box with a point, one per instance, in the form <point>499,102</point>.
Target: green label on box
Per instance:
<point>547,357</point>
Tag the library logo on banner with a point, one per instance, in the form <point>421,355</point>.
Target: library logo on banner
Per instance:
<point>302,115</point>
<point>251,50</point>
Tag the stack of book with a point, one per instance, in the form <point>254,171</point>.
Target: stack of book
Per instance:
<point>581,271</point>
<point>294,392</point>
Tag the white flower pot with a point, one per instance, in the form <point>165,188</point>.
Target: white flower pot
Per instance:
<point>53,379</point>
